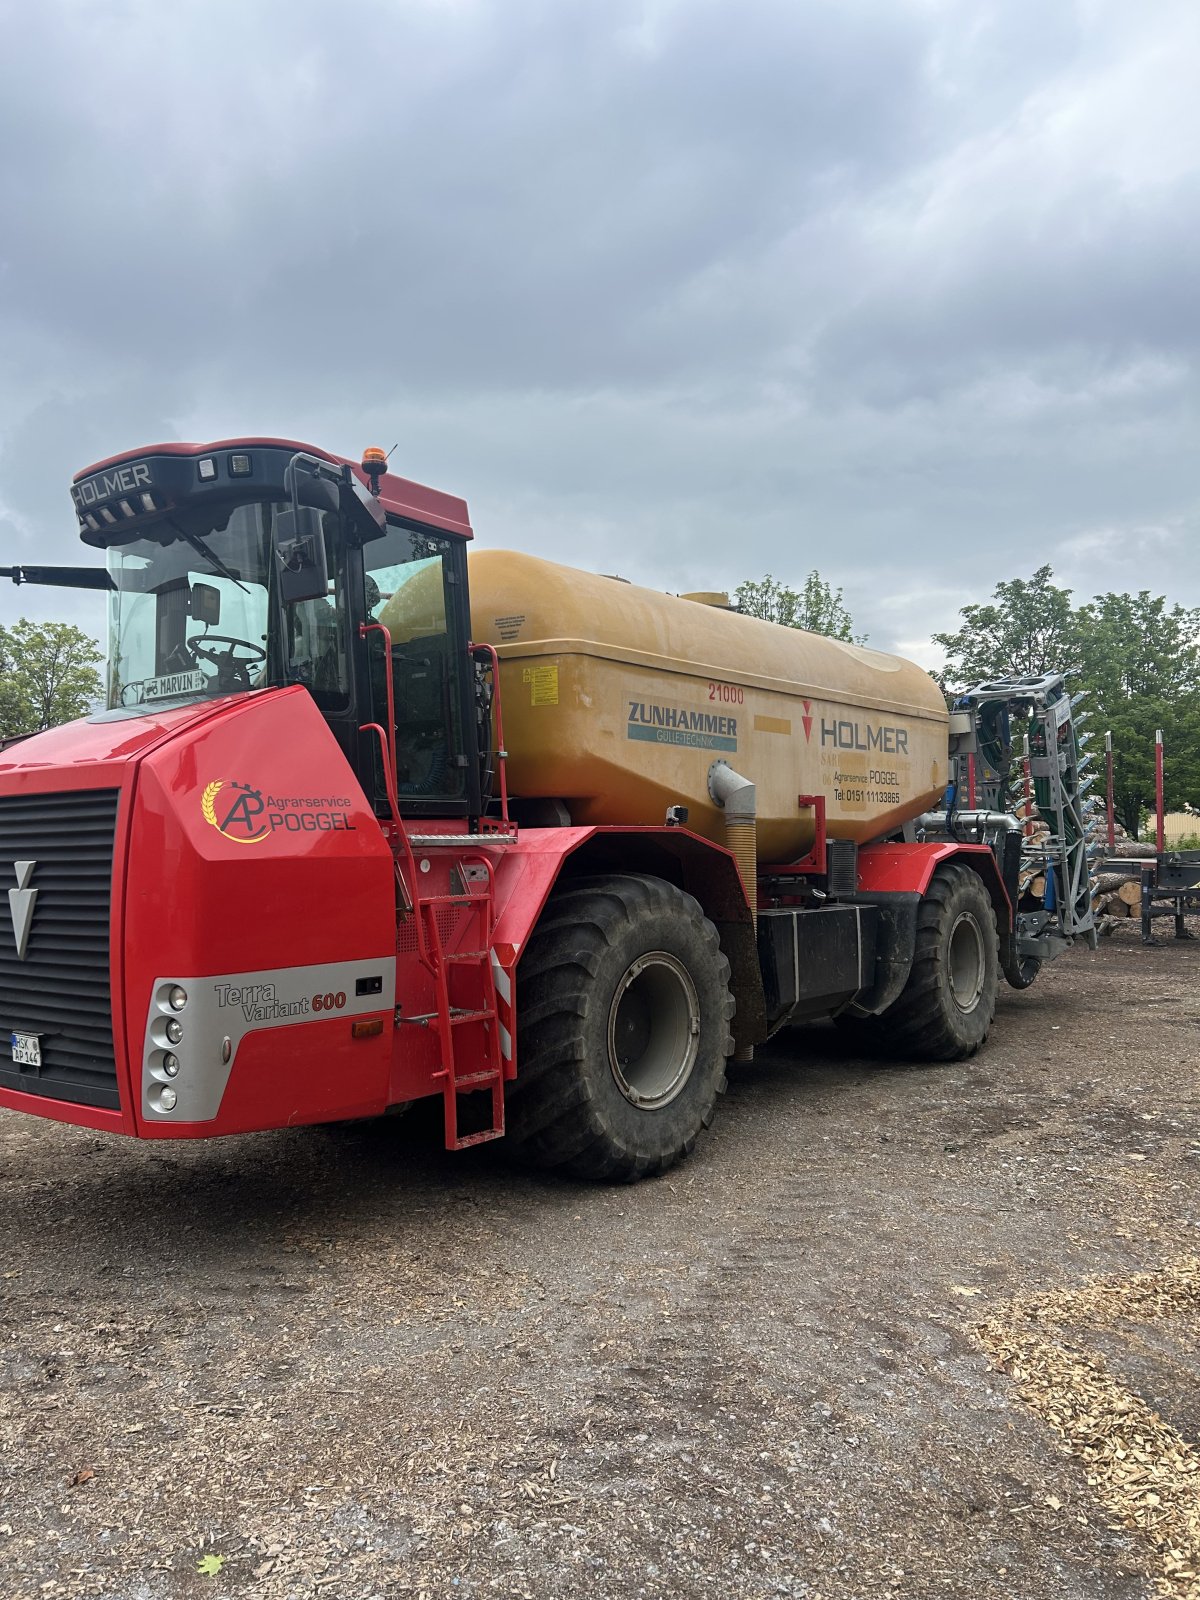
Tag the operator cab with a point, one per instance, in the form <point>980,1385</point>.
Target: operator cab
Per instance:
<point>256,564</point>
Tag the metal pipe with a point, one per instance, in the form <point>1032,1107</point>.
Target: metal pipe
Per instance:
<point>738,798</point>
<point>1109,809</point>
<point>1161,829</point>
<point>1028,782</point>
<point>1003,820</point>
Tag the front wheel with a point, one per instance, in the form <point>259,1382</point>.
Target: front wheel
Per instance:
<point>624,1009</point>
<point>946,1009</point>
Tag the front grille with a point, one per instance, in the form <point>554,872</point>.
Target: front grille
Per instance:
<point>61,990</point>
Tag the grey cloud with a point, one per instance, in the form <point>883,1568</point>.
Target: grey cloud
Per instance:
<point>685,290</point>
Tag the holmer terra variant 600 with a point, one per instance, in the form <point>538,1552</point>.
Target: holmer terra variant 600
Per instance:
<point>303,868</point>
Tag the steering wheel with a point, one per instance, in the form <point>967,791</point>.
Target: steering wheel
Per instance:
<point>233,672</point>
<point>257,652</point>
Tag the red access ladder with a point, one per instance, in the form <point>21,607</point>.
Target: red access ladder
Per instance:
<point>466,1019</point>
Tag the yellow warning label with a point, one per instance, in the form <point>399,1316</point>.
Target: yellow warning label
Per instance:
<point>772,725</point>
<point>543,684</point>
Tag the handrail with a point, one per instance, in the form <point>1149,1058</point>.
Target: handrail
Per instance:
<point>388,743</point>
<point>501,753</point>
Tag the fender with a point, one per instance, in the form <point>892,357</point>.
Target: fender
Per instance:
<point>529,869</point>
<point>908,869</point>
<point>895,877</point>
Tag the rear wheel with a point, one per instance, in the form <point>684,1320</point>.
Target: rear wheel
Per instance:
<point>946,1009</point>
<point>624,1008</point>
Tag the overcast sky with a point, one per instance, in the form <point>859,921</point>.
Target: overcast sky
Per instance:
<point>689,290</point>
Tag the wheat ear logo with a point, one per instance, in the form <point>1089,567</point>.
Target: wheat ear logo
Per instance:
<point>235,818</point>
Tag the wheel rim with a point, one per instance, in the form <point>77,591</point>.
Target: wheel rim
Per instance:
<point>653,1030</point>
<point>966,962</point>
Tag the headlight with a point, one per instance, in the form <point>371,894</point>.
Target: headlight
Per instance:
<point>174,1030</point>
<point>177,998</point>
<point>167,1098</point>
<point>170,1065</point>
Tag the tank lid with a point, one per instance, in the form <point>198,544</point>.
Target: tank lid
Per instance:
<point>710,597</point>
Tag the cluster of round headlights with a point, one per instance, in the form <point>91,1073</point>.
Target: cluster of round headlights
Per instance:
<point>168,1097</point>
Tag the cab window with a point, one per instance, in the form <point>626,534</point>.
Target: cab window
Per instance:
<point>407,590</point>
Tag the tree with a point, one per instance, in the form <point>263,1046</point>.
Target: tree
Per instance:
<point>1140,663</point>
<point>1030,628</point>
<point>1136,658</point>
<point>817,608</point>
<point>47,675</point>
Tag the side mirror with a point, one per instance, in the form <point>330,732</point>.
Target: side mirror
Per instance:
<point>300,555</point>
<point>204,604</point>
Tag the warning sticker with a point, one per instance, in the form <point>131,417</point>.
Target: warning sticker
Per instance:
<point>543,684</point>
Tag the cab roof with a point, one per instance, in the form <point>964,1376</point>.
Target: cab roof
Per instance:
<point>399,496</point>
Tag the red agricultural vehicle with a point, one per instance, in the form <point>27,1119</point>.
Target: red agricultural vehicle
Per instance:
<point>291,873</point>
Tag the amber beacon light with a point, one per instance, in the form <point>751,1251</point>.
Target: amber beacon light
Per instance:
<point>374,465</point>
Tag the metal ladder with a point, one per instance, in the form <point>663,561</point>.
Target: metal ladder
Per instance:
<point>466,1018</point>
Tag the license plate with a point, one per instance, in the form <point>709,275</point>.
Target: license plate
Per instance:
<point>26,1050</point>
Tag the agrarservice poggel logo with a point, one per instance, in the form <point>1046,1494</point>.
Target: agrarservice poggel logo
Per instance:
<point>248,816</point>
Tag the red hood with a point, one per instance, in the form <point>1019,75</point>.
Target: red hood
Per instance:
<point>93,752</point>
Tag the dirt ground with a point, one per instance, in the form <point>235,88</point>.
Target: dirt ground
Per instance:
<point>344,1363</point>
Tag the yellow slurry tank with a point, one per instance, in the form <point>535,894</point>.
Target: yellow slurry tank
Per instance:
<point>618,699</point>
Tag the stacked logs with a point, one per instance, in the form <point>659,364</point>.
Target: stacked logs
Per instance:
<point>1118,885</point>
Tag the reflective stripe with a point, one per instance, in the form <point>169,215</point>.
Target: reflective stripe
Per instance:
<point>502,980</point>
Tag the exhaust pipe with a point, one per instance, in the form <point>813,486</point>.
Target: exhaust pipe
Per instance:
<point>737,797</point>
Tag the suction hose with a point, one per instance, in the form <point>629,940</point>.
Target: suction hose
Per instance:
<point>737,798</point>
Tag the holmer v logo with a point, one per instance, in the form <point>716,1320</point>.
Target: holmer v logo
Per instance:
<point>21,902</point>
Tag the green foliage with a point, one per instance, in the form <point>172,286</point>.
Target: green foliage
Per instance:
<point>47,675</point>
<point>1028,629</point>
<point>1140,663</point>
<point>817,607</point>
<point>1136,658</point>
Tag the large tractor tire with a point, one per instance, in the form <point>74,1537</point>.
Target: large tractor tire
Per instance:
<point>624,1006</point>
<point>947,1006</point>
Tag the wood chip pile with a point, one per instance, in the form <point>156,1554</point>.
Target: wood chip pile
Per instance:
<point>1143,1472</point>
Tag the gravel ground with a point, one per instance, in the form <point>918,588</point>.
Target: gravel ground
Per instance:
<point>344,1363</point>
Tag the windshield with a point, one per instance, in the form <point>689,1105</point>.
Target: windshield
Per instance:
<point>194,613</point>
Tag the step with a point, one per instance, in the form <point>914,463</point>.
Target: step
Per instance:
<point>429,841</point>
<point>477,1138</point>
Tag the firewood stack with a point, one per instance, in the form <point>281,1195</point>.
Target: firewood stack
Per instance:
<point>1117,891</point>
<point>1116,887</point>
